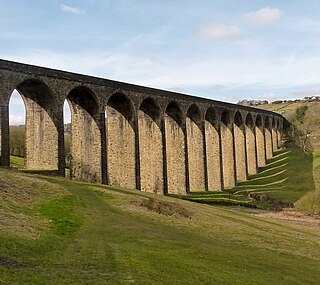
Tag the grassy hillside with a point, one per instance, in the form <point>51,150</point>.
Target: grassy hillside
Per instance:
<point>54,231</point>
<point>305,117</point>
<point>291,178</point>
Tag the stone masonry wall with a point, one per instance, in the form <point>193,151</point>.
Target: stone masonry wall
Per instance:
<point>274,140</point>
<point>41,148</point>
<point>85,146</point>
<point>195,156</point>
<point>279,138</point>
<point>175,150</point>
<point>251,151</point>
<point>240,153</point>
<point>268,143</point>
<point>261,156</point>
<point>115,151</point>
<point>227,156</point>
<point>120,150</point>
<point>151,159</point>
<point>213,157</point>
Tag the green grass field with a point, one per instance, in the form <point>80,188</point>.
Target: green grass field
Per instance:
<point>55,231</point>
<point>291,177</point>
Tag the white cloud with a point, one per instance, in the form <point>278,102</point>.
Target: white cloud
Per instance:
<point>16,120</point>
<point>221,32</point>
<point>268,96</point>
<point>263,17</point>
<point>71,10</point>
<point>187,74</point>
<point>310,92</point>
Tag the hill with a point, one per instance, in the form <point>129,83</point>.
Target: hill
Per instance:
<point>55,231</point>
<point>304,116</point>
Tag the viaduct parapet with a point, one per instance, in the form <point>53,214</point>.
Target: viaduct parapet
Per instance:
<point>135,137</point>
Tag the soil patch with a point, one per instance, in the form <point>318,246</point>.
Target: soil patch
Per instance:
<point>163,208</point>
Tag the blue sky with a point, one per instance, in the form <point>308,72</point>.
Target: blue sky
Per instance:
<point>224,50</point>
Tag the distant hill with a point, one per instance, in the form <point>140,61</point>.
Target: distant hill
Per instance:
<point>305,116</point>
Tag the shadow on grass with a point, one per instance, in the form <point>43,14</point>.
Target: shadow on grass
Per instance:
<point>284,180</point>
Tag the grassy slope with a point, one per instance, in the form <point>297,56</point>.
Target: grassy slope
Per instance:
<point>288,177</point>
<point>310,202</point>
<point>96,235</point>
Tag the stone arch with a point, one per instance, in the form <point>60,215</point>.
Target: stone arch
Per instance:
<point>195,148</point>
<point>85,149</point>
<point>250,145</point>
<point>227,146</point>
<point>175,149</point>
<point>240,147</point>
<point>268,137</point>
<point>213,150</point>
<point>260,142</point>
<point>41,143</point>
<point>150,144</point>
<point>121,159</point>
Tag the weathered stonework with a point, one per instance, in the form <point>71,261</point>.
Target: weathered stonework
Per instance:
<point>135,137</point>
<point>240,154</point>
<point>195,151</point>
<point>274,140</point>
<point>268,143</point>
<point>85,147</point>
<point>213,157</point>
<point>41,138</point>
<point>261,148</point>
<point>251,150</point>
<point>175,149</point>
<point>151,152</point>
<point>120,145</point>
<point>228,162</point>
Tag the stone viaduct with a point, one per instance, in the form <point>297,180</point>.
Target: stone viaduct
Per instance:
<point>135,137</point>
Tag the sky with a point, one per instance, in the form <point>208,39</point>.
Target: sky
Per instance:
<point>225,50</point>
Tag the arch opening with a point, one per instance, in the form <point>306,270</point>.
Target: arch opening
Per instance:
<point>225,118</point>
<point>39,140</point>
<point>151,149</point>
<point>173,111</point>
<point>67,135</point>
<point>120,142</point>
<point>17,116</point>
<point>249,121</point>
<point>238,121</point>
<point>85,146</point>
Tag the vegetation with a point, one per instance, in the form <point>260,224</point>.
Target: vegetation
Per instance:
<point>77,233</point>
<point>55,231</point>
<point>288,179</point>
<point>305,132</point>
<point>17,140</point>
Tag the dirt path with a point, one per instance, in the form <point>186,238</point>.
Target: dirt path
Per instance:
<point>294,217</point>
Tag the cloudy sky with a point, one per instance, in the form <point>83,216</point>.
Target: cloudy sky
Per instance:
<point>221,49</point>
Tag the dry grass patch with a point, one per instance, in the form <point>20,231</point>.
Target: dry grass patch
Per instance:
<point>19,193</point>
<point>163,207</point>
